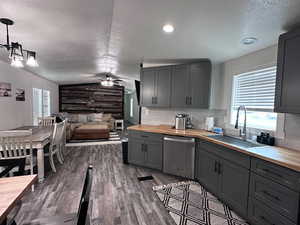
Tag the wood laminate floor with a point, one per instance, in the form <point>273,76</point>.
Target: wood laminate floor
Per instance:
<point>117,196</point>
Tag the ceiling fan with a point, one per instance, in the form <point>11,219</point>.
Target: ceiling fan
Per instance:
<point>108,80</point>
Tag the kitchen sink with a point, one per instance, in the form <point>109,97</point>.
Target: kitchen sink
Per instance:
<point>235,141</point>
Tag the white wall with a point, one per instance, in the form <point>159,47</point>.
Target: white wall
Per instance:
<point>15,114</point>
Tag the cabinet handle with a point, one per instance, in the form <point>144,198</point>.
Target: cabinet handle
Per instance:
<point>270,195</point>
<point>216,167</point>
<point>146,148</point>
<point>152,100</point>
<point>190,102</point>
<point>155,99</point>
<point>219,168</point>
<point>186,100</point>
<point>273,173</point>
<point>266,220</point>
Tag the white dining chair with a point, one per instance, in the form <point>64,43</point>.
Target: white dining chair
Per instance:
<point>55,145</point>
<point>16,144</point>
<point>46,121</point>
<point>63,141</point>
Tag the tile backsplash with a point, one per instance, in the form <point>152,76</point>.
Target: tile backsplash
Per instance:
<point>154,116</point>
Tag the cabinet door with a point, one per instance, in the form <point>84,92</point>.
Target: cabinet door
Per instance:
<point>163,87</point>
<point>200,74</point>
<point>153,154</point>
<point>180,85</point>
<point>148,81</point>
<point>207,174</point>
<point>136,154</point>
<point>288,79</point>
<point>234,186</point>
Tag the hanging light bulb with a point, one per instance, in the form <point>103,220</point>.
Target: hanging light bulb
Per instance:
<point>31,59</point>
<point>16,51</point>
<point>15,62</point>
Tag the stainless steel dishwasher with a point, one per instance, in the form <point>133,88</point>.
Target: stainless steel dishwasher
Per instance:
<point>179,156</point>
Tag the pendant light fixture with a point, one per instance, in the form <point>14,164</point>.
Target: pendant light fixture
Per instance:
<point>16,51</point>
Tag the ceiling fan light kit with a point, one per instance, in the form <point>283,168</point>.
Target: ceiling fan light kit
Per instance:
<point>16,51</point>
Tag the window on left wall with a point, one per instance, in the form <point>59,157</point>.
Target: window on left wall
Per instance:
<point>41,104</point>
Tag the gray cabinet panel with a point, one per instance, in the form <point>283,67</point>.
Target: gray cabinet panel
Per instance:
<point>279,198</point>
<point>234,186</point>
<point>154,152</point>
<point>163,87</point>
<point>136,153</point>
<point>200,84</point>
<point>260,214</point>
<point>145,149</point>
<point>148,78</point>
<point>288,79</point>
<point>207,170</point>
<point>228,154</point>
<point>279,174</point>
<point>180,86</point>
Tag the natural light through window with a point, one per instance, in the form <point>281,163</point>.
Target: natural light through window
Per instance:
<point>256,91</point>
<point>41,104</point>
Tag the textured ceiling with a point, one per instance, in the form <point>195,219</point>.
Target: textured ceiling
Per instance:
<point>70,36</point>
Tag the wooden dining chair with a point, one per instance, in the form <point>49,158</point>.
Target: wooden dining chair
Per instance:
<point>46,121</point>
<point>15,148</point>
<point>55,145</point>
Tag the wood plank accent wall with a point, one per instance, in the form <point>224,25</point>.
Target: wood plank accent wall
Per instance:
<point>92,98</point>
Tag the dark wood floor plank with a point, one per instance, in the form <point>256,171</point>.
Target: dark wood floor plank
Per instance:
<point>117,197</point>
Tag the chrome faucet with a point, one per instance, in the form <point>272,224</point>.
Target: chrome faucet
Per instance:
<point>243,134</point>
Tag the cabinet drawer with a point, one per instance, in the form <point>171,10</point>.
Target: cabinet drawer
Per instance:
<point>279,198</point>
<point>145,135</point>
<point>276,173</point>
<point>260,214</point>
<point>228,154</point>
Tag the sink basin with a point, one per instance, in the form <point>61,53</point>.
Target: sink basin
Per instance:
<point>235,141</point>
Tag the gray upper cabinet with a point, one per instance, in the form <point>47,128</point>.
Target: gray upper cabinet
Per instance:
<point>148,78</point>
<point>156,87</point>
<point>288,78</point>
<point>163,87</point>
<point>200,75</point>
<point>179,86</point>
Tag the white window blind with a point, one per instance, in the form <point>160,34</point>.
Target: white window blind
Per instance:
<point>41,104</point>
<point>255,90</point>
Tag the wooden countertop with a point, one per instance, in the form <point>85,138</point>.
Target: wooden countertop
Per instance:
<point>281,156</point>
<point>13,189</point>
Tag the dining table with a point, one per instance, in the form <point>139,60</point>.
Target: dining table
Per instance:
<point>12,189</point>
<point>40,138</point>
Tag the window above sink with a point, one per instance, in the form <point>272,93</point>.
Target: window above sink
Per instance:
<point>256,91</point>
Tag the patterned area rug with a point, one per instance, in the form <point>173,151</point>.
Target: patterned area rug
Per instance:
<point>189,203</point>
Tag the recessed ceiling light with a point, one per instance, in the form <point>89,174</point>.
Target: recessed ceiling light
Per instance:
<point>168,28</point>
<point>249,40</point>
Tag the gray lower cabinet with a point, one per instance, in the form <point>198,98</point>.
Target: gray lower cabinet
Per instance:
<point>207,170</point>
<point>226,179</point>
<point>136,154</point>
<point>234,186</point>
<point>153,154</point>
<point>259,214</point>
<point>274,194</point>
<point>145,150</point>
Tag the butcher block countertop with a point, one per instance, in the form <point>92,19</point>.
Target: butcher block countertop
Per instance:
<point>281,156</point>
